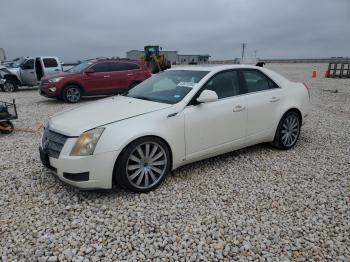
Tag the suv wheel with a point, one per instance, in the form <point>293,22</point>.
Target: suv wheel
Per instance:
<point>72,94</point>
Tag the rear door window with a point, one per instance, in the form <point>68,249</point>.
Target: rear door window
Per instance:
<point>50,62</point>
<point>257,81</point>
<point>122,66</point>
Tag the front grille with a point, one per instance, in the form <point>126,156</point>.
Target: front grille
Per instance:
<point>53,142</point>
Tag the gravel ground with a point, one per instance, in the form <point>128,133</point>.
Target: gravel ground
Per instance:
<point>257,203</point>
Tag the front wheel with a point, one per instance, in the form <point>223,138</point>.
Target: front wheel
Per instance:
<point>72,94</point>
<point>143,165</point>
<point>288,131</point>
<point>10,86</point>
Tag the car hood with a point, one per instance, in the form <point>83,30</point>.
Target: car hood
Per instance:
<point>74,122</point>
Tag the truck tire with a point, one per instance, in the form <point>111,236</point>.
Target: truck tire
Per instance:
<point>154,67</point>
<point>8,125</point>
<point>10,86</point>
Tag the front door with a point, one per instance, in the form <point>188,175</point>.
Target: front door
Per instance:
<point>28,74</point>
<point>98,82</point>
<point>220,125</point>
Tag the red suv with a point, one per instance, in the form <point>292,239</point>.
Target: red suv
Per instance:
<point>94,77</point>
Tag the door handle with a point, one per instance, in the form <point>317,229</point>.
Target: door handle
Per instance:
<point>57,70</point>
<point>238,108</point>
<point>274,99</point>
<point>31,72</point>
<point>130,74</point>
<point>106,76</point>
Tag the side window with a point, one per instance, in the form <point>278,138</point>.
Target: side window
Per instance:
<point>130,66</point>
<point>257,81</point>
<point>225,84</point>
<point>122,66</point>
<point>101,67</point>
<point>116,66</point>
<point>29,64</point>
<point>50,62</point>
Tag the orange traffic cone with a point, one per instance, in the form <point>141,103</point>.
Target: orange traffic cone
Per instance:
<point>314,73</point>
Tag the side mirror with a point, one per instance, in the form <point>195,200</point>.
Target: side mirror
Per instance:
<point>207,96</point>
<point>89,71</point>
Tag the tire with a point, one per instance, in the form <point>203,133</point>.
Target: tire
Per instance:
<point>72,94</point>
<point>10,86</point>
<point>288,131</point>
<point>7,124</point>
<point>154,67</point>
<point>143,165</point>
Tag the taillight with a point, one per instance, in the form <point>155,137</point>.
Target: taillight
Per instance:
<point>307,88</point>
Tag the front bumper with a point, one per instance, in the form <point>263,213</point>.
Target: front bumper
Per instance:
<point>84,172</point>
<point>44,89</point>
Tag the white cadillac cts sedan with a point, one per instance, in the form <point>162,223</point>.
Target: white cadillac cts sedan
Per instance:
<point>174,118</point>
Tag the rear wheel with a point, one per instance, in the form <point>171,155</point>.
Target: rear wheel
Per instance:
<point>6,127</point>
<point>10,86</point>
<point>143,165</point>
<point>288,131</point>
<point>72,94</point>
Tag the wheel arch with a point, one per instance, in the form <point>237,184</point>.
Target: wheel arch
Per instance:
<point>13,78</point>
<point>135,139</point>
<point>73,83</point>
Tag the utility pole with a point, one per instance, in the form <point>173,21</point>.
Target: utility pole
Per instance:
<point>243,47</point>
<point>255,53</point>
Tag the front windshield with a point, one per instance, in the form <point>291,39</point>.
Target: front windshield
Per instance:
<point>80,67</point>
<point>167,87</point>
<point>17,63</point>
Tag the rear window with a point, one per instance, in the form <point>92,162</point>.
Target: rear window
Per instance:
<point>50,62</point>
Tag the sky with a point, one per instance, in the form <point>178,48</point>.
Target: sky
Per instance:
<point>80,29</point>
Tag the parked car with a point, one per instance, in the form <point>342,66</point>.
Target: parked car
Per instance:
<point>174,118</point>
<point>30,71</point>
<point>94,77</point>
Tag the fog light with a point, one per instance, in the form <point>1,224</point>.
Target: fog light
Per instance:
<point>52,89</point>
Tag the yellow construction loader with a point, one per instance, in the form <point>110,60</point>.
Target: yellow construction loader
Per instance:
<point>154,60</point>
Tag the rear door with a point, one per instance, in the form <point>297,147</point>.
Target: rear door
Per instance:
<point>27,72</point>
<point>122,75</point>
<point>263,100</point>
<point>98,82</point>
<point>51,66</point>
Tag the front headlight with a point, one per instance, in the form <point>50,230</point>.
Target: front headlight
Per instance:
<point>56,79</point>
<point>87,142</point>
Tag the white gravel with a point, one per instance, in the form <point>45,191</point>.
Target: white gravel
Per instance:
<point>257,203</point>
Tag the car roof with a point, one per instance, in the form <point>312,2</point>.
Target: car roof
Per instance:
<point>214,68</point>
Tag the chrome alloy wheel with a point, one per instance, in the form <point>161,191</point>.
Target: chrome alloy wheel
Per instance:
<point>9,87</point>
<point>73,94</point>
<point>146,165</point>
<point>290,130</point>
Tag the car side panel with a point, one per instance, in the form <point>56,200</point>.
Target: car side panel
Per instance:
<point>118,135</point>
